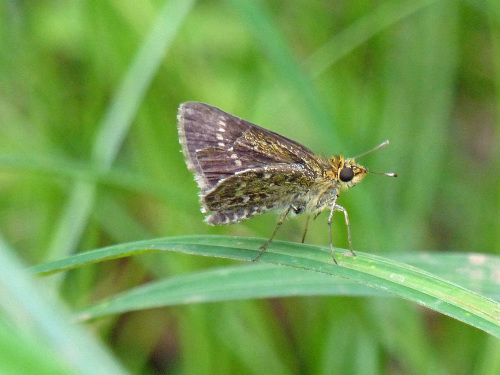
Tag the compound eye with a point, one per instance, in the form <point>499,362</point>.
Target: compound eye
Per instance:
<point>346,174</point>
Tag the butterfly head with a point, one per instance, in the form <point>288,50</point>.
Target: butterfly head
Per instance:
<point>345,172</point>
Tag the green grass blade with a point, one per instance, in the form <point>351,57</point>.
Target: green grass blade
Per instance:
<point>226,284</point>
<point>32,312</point>
<point>385,274</point>
<point>353,36</point>
<point>267,281</point>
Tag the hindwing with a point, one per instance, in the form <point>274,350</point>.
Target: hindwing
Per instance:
<point>255,191</point>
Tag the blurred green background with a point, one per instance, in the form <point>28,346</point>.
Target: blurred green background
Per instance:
<point>89,156</point>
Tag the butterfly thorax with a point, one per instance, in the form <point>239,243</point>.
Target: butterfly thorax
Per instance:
<point>337,174</point>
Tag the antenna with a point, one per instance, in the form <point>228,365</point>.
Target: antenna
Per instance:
<point>388,174</point>
<point>383,144</point>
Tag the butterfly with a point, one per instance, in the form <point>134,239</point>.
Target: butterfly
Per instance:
<point>244,170</point>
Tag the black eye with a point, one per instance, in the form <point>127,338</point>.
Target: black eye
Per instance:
<point>346,174</point>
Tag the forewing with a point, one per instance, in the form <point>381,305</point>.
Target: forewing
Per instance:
<point>218,164</point>
<point>203,127</point>
<point>217,145</point>
<point>255,191</point>
<point>260,141</point>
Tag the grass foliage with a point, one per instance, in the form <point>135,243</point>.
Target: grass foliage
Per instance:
<point>90,160</point>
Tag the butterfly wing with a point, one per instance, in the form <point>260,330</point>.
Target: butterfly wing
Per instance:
<point>218,145</point>
<point>256,191</point>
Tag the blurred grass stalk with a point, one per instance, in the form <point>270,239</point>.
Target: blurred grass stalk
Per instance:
<point>116,123</point>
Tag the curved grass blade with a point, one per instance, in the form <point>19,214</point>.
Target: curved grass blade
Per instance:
<point>40,321</point>
<point>385,274</point>
<point>267,281</point>
<point>227,284</point>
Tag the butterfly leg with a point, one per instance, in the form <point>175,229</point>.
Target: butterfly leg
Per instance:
<point>332,210</point>
<point>305,229</point>
<point>340,208</point>
<point>278,225</point>
<point>307,225</point>
<point>336,207</point>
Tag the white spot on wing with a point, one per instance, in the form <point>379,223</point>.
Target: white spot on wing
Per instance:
<point>238,162</point>
<point>219,137</point>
